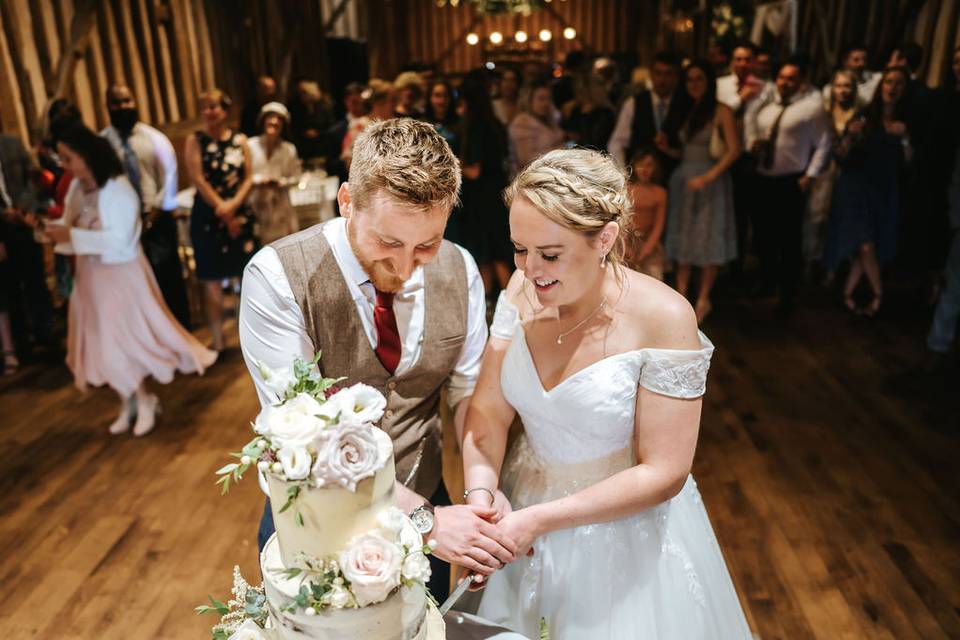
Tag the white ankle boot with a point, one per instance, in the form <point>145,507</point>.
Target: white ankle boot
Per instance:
<point>148,406</point>
<point>122,423</point>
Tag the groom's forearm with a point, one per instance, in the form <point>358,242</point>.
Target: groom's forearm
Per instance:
<point>406,499</point>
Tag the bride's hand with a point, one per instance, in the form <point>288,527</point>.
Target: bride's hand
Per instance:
<point>501,504</point>
<point>521,527</point>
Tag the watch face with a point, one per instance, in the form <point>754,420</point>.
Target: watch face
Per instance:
<point>422,520</point>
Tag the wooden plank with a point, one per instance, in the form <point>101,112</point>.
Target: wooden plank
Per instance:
<point>181,54</point>
<point>207,75</point>
<point>33,90</point>
<point>172,97</point>
<point>13,119</point>
<point>138,77</point>
<point>145,31</point>
<point>112,49</point>
<point>99,78</point>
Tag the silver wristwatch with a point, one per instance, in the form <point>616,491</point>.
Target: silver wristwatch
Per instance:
<point>422,518</point>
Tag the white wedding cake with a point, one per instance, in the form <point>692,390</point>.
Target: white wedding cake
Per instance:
<point>344,561</point>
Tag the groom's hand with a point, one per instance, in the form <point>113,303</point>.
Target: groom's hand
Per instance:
<point>465,536</point>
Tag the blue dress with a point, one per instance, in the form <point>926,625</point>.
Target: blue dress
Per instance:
<point>866,199</point>
<point>701,230</point>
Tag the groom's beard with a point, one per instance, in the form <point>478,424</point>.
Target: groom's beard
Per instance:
<point>380,273</point>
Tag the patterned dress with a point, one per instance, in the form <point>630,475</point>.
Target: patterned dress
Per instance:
<point>217,254</point>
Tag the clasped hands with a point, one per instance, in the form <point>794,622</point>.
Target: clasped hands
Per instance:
<point>483,537</point>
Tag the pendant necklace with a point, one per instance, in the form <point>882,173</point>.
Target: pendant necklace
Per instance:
<point>564,334</point>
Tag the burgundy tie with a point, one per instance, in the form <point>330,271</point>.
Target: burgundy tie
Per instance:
<point>388,337</point>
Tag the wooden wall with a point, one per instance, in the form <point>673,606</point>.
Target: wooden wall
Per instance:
<point>420,31</point>
<point>161,48</point>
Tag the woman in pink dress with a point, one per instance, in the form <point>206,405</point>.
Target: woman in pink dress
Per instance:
<point>119,331</point>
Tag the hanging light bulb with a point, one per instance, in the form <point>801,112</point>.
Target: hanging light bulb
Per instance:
<point>496,37</point>
<point>569,33</point>
<point>472,39</point>
<point>545,35</point>
<point>520,36</point>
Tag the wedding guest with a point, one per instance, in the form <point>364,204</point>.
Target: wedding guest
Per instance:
<point>853,59</point>
<point>866,197</point>
<point>742,90</point>
<point>266,91</point>
<point>842,107</point>
<point>150,164</point>
<point>311,117</point>
<point>590,120</point>
<point>442,111</point>
<point>943,328</point>
<point>763,65</point>
<point>535,130</point>
<point>701,231</point>
<point>221,225</point>
<point>482,218</point>
<point>354,113</point>
<point>120,331</point>
<point>408,88</point>
<point>275,167</point>
<point>30,306</point>
<point>644,116</point>
<point>507,104</point>
<point>377,99</point>
<point>791,139</point>
<point>644,251</point>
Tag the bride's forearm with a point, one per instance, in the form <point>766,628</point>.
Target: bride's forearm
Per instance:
<point>624,494</point>
<point>484,445</point>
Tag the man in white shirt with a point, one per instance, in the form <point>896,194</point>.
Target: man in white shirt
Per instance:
<point>150,163</point>
<point>742,90</point>
<point>391,304</point>
<point>790,137</point>
<point>649,114</point>
<point>854,59</point>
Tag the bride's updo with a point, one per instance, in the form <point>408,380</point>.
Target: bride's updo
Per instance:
<point>579,189</point>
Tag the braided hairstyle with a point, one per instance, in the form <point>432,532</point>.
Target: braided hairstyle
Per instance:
<point>579,189</point>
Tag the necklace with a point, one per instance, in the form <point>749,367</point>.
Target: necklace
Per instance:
<point>564,334</point>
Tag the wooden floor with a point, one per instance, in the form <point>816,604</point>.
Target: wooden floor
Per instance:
<point>828,465</point>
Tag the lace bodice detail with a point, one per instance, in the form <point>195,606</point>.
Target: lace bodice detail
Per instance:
<point>591,413</point>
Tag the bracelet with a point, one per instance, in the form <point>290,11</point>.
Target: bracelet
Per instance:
<point>467,493</point>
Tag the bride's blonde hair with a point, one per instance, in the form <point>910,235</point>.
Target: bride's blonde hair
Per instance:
<point>579,189</point>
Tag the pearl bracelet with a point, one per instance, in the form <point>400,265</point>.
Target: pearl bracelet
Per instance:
<point>467,493</point>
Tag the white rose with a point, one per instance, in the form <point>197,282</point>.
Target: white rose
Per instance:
<point>294,423</point>
<point>361,403</point>
<point>416,567</point>
<point>371,564</point>
<point>349,454</point>
<point>409,536</point>
<point>248,631</point>
<point>295,461</point>
<point>278,380</point>
<point>392,520</point>
<point>337,598</point>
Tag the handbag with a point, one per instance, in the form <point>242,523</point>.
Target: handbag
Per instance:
<point>718,148</point>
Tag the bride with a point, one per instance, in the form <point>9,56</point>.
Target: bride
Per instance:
<point>606,368</point>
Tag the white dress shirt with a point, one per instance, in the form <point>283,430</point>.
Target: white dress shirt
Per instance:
<point>622,132</point>
<point>157,161</point>
<point>803,141</point>
<point>866,87</point>
<point>283,164</point>
<point>273,330</point>
<point>728,91</point>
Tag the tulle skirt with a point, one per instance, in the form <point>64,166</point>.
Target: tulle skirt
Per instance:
<point>659,574</point>
<point>120,330</point>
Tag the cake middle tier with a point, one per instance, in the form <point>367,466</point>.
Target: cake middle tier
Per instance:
<point>321,521</point>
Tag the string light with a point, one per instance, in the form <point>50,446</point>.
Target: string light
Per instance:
<point>545,35</point>
<point>472,39</point>
<point>520,36</point>
<point>569,33</point>
<point>496,37</point>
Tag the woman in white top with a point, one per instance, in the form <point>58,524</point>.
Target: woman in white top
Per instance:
<point>119,329</point>
<point>276,167</point>
<point>606,368</point>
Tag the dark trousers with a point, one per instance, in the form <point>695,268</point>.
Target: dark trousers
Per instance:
<point>159,240</point>
<point>744,176</point>
<point>439,584</point>
<point>778,227</point>
<point>31,309</point>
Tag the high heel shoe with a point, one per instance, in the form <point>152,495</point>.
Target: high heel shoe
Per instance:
<point>147,409</point>
<point>122,423</point>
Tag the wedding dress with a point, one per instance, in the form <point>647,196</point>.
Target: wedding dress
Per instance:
<point>658,574</point>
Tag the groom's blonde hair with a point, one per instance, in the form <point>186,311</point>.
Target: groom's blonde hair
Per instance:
<point>579,189</point>
<point>406,160</point>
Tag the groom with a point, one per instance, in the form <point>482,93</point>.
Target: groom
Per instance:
<point>393,305</point>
